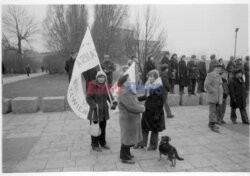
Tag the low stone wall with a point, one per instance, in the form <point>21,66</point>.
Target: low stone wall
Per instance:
<point>57,104</point>
<point>24,105</point>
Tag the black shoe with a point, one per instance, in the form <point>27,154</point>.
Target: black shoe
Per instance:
<point>171,116</point>
<point>234,122</point>
<point>128,161</point>
<point>97,149</point>
<point>215,129</point>
<point>105,147</point>
<point>131,156</point>
<point>151,148</point>
<point>246,123</point>
<point>138,147</point>
<point>223,122</point>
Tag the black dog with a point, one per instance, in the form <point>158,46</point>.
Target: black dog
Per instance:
<point>167,149</point>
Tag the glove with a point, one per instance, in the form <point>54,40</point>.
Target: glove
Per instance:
<point>113,107</point>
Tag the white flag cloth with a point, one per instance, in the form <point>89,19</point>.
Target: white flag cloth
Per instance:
<point>131,73</point>
<point>86,59</point>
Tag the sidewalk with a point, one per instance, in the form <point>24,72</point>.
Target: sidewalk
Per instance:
<point>12,79</point>
<point>59,142</point>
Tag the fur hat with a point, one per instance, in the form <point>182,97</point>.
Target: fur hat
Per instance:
<point>101,73</point>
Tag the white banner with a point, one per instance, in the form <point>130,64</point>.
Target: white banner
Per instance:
<point>86,59</point>
<point>131,73</point>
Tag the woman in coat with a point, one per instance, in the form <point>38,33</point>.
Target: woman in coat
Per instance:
<point>97,98</point>
<point>153,118</point>
<point>182,74</point>
<point>129,118</point>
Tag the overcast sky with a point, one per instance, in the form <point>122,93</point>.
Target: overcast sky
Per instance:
<point>191,29</point>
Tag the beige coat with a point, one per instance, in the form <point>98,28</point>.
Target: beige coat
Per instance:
<point>130,118</point>
<point>213,85</point>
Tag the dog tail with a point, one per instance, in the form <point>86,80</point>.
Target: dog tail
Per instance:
<point>177,156</point>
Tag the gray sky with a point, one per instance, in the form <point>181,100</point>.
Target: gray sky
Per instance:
<point>191,29</point>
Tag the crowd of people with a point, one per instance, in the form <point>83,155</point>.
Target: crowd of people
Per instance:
<point>141,114</point>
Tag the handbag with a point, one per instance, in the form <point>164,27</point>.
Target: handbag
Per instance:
<point>94,129</point>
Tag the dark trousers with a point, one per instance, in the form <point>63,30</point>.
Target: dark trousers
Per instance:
<point>222,110</point>
<point>69,77</point>
<point>95,141</point>
<point>125,152</point>
<point>181,89</point>
<point>213,113</point>
<point>153,139</point>
<point>171,82</point>
<point>166,105</point>
<point>200,87</point>
<point>243,114</point>
<point>191,86</point>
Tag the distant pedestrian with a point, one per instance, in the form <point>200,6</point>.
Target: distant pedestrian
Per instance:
<point>173,79</point>
<point>212,63</point>
<point>239,64</point>
<point>129,119</point>
<point>42,68</point>
<point>230,67</point>
<point>238,95</point>
<point>202,74</point>
<point>182,74</point>
<point>149,65</point>
<point>222,108</point>
<point>246,69</point>
<point>192,75</point>
<point>166,89</point>
<point>108,67</point>
<point>221,62</point>
<point>213,85</point>
<point>69,64</point>
<point>153,118</point>
<point>27,68</point>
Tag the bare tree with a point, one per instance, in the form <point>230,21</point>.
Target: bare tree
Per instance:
<point>143,42</point>
<point>108,20</point>
<point>65,26</point>
<point>18,24</point>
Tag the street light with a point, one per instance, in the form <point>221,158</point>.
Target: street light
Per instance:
<point>236,30</point>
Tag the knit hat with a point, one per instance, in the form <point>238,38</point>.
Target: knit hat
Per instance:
<point>101,73</point>
<point>122,79</point>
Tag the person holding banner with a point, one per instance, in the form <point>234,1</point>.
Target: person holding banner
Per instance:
<point>97,97</point>
<point>129,119</point>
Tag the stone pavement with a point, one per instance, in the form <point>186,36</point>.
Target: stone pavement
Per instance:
<point>59,142</point>
<point>12,79</point>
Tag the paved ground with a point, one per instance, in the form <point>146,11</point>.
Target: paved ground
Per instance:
<point>7,80</point>
<point>53,142</point>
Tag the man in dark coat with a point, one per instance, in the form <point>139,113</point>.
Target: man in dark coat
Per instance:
<point>230,67</point>
<point>202,74</point>
<point>108,67</point>
<point>149,65</point>
<point>173,79</point>
<point>212,63</point>
<point>237,93</point>
<point>165,59</point>
<point>166,87</point>
<point>246,69</point>
<point>191,74</point>
<point>182,74</point>
<point>69,64</point>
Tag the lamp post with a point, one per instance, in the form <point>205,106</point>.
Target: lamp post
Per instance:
<point>236,30</point>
